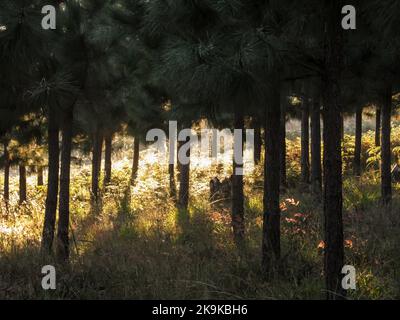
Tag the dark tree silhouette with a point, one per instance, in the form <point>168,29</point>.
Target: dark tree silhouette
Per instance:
<point>333,122</point>
<point>357,149</point>
<point>107,157</point>
<point>271,250</point>
<point>65,173</point>
<point>237,185</point>
<point>316,168</point>
<point>305,141</point>
<point>135,162</point>
<point>22,183</point>
<point>378,127</point>
<point>386,178</point>
<point>52,180</point>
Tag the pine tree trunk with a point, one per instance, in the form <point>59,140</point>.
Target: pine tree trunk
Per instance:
<point>271,250</point>
<point>96,163</point>
<point>305,142</point>
<point>135,163</point>
<point>357,149</point>
<point>316,170</point>
<point>257,140</point>
<point>107,158</point>
<point>52,182</point>
<point>184,171</point>
<point>378,127</point>
<point>171,167</point>
<point>237,183</point>
<point>282,139</point>
<point>65,173</point>
<point>6,174</point>
<point>333,122</point>
<point>22,184</point>
<point>40,180</point>
<point>386,179</point>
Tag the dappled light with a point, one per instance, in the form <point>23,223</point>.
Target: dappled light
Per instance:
<point>199,150</point>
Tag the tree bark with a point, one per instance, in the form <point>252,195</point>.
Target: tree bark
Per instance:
<point>357,149</point>
<point>282,139</point>
<point>257,140</point>
<point>6,173</point>
<point>316,168</point>
<point>171,166</point>
<point>52,181</point>
<point>386,179</point>
<point>305,142</point>
<point>96,163</point>
<point>65,173</point>
<point>135,163</point>
<point>271,250</point>
<point>378,127</point>
<point>184,180</point>
<point>333,202</point>
<point>237,181</point>
<point>22,184</point>
<point>40,180</point>
<point>107,158</point>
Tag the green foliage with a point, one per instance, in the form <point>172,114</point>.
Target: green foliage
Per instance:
<point>131,65</point>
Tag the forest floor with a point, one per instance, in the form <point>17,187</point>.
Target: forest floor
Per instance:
<point>136,245</point>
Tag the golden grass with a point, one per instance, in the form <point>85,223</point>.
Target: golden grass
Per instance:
<point>137,245</point>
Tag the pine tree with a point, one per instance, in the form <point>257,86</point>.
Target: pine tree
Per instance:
<point>316,168</point>
<point>305,138</point>
<point>385,53</point>
<point>333,51</point>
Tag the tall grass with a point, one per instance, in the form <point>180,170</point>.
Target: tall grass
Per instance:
<point>136,245</point>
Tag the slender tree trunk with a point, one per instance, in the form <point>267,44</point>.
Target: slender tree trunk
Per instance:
<point>52,182</point>
<point>386,179</point>
<point>237,181</point>
<point>107,158</point>
<point>6,174</point>
<point>282,139</point>
<point>184,175</point>
<point>305,142</point>
<point>316,170</point>
<point>333,226</point>
<point>378,127</point>
<point>257,140</point>
<point>135,163</point>
<point>357,149</point>
<point>65,173</point>
<point>271,250</point>
<point>40,180</point>
<point>171,164</point>
<point>96,163</point>
<point>22,184</point>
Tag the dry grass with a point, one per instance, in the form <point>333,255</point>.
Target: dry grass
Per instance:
<point>138,246</point>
